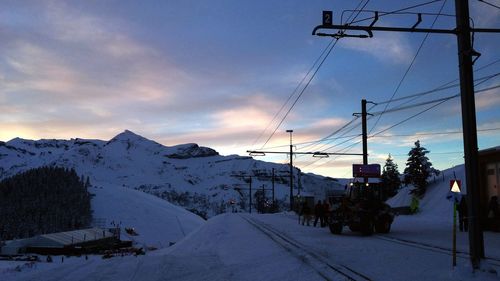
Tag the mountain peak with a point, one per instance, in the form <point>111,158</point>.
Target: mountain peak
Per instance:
<point>131,139</point>
<point>127,134</point>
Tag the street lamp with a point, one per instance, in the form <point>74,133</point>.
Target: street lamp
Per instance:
<point>291,170</point>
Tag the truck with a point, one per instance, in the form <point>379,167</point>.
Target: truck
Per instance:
<point>360,208</point>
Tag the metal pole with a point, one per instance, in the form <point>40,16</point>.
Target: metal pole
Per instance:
<point>273,185</point>
<point>465,53</point>
<point>365,136</point>
<point>365,143</point>
<point>250,195</point>
<point>454,233</point>
<point>291,170</point>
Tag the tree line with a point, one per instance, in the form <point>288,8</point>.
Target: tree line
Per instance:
<point>43,200</point>
<point>417,172</point>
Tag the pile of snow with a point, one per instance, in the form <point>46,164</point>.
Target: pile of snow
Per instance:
<point>157,222</point>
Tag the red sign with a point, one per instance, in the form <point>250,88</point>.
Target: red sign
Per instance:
<point>366,171</point>
<point>455,185</point>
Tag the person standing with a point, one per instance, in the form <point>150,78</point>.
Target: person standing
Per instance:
<point>318,212</point>
<point>306,214</point>
<point>463,222</point>
<point>493,214</point>
<point>326,213</point>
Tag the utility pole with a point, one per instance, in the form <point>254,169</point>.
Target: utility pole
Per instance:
<point>250,190</point>
<point>364,133</point>
<point>273,185</point>
<point>465,53</point>
<point>291,153</point>
<point>291,170</point>
<point>299,182</point>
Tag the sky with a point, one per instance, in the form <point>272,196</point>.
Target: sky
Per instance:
<point>217,73</point>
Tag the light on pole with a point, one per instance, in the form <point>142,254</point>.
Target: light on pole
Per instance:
<point>291,170</point>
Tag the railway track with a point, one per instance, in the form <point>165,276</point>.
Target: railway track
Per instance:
<point>324,267</point>
<point>437,249</point>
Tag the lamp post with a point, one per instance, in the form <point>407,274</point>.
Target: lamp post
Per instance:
<point>291,170</point>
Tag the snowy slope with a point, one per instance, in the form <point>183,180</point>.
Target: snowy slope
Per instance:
<point>157,222</point>
<point>434,204</point>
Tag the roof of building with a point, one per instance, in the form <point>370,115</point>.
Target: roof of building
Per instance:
<point>74,237</point>
<point>59,239</point>
<point>495,149</point>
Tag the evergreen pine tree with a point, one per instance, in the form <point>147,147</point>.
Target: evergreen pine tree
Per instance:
<point>43,200</point>
<point>87,183</point>
<point>391,177</point>
<point>418,169</point>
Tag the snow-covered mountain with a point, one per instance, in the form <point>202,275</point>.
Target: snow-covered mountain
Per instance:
<point>194,177</point>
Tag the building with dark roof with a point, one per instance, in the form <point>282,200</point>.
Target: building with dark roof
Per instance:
<point>69,242</point>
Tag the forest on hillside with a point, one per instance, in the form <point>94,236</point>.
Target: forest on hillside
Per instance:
<point>43,200</point>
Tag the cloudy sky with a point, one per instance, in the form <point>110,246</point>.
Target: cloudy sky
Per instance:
<point>218,72</point>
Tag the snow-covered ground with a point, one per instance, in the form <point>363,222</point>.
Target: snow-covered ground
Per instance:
<point>275,247</point>
<point>157,222</point>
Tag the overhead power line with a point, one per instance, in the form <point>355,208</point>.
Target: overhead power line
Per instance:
<point>311,78</point>
<point>439,102</point>
<point>479,80</point>
<point>328,50</point>
<point>438,89</point>
<point>430,102</point>
<point>309,142</point>
<point>488,3</point>
<point>300,94</point>
<point>295,90</point>
<point>409,67</point>
<point>329,137</point>
<point>381,14</point>
<point>411,117</point>
<point>345,150</point>
<point>431,133</point>
<point>445,152</point>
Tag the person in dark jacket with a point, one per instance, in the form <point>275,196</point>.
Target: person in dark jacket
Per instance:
<point>305,212</point>
<point>463,222</point>
<point>493,214</point>
<point>326,213</point>
<point>318,213</point>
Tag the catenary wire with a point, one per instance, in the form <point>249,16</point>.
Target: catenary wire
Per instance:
<point>383,14</point>
<point>410,66</point>
<point>438,89</point>
<point>294,91</point>
<point>432,133</point>
<point>488,3</point>
<point>319,66</point>
<point>397,124</point>
<point>308,82</point>
<point>399,10</point>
